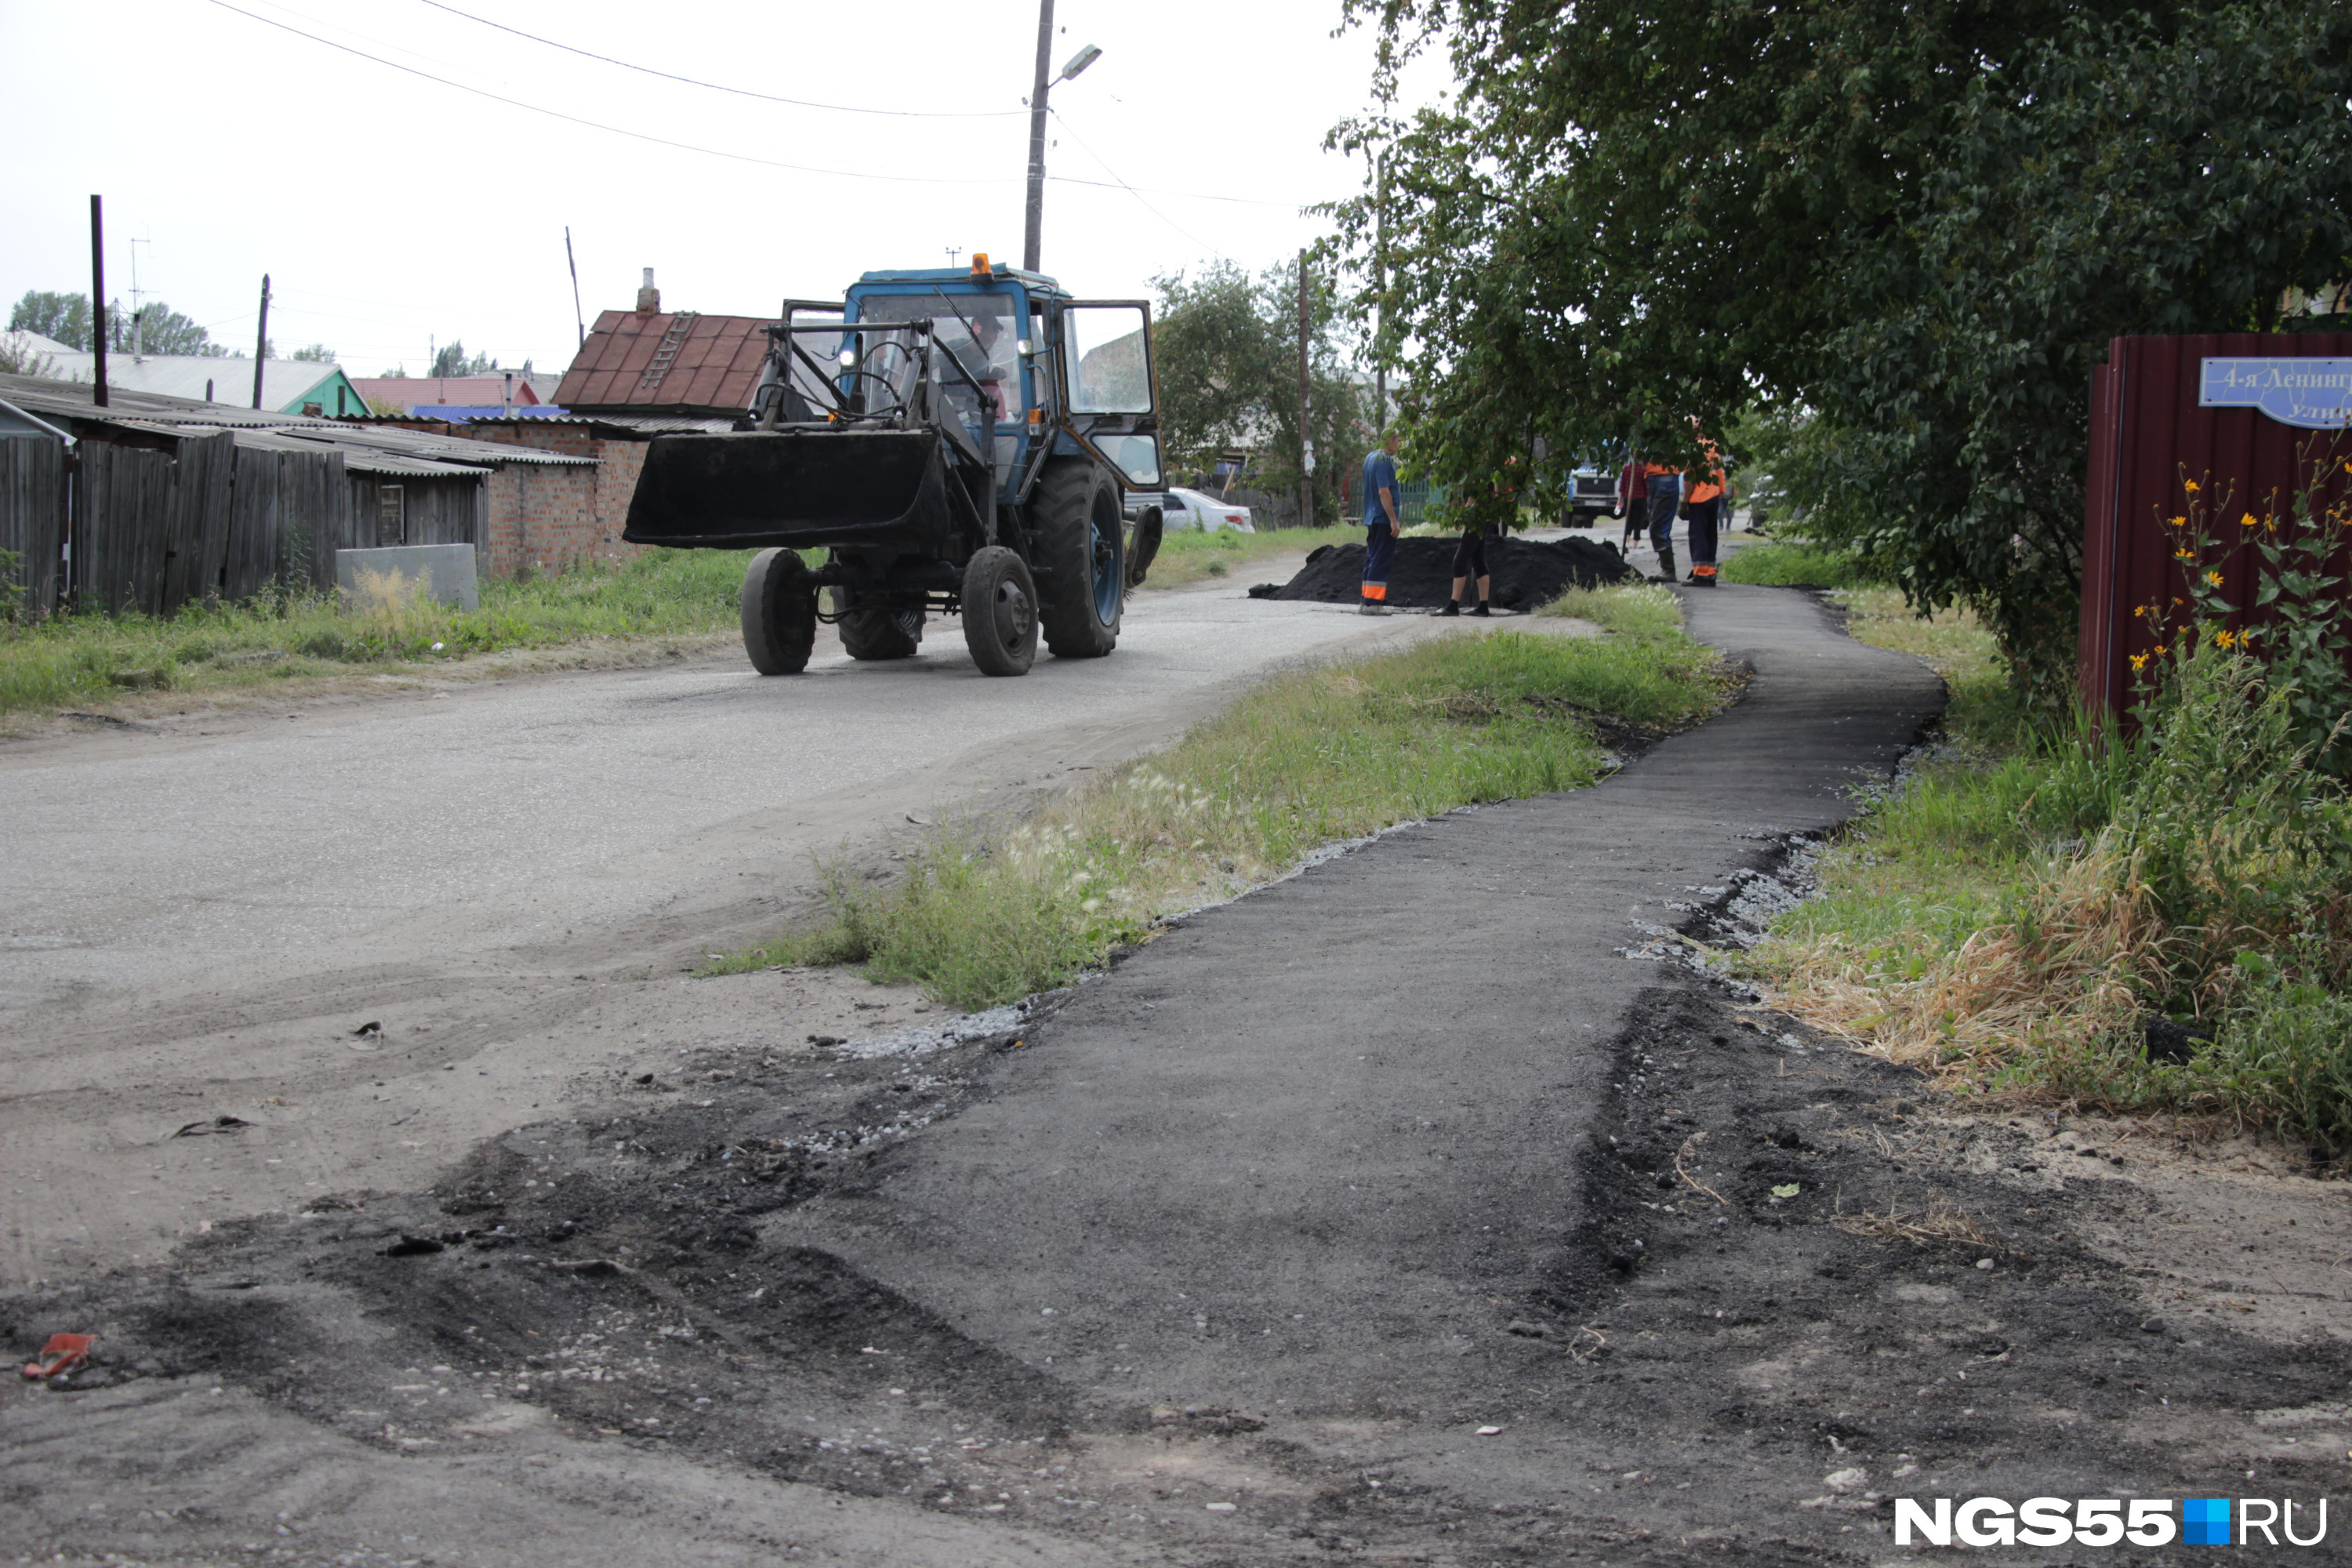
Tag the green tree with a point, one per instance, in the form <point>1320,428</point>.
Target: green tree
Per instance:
<point>318,351</point>
<point>66,318</point>
<point>62,317</point>
<point>452,360</point>
<point>1226,349</point>
<point>1908,231</point>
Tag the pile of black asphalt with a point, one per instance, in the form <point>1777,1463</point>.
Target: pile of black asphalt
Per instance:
<point>1523,572</point>
<point>1401,1211</point>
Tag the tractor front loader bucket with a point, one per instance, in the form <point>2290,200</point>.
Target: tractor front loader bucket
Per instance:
<point>799,488</point>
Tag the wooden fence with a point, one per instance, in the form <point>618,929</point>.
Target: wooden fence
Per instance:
<point>33,492</point>
<point>152,529</point>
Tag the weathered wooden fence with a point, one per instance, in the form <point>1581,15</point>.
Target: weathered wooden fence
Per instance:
<point>33,491</point>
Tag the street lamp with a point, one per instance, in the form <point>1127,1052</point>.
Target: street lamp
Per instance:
<point>1033,235</point>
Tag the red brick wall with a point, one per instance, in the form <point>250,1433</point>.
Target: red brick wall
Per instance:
<point>550,517</point>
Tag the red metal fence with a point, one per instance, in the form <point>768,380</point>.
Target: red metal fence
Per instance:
<point>2148,435</point>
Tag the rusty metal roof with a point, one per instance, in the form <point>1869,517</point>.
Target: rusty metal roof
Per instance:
<point>677,361</point>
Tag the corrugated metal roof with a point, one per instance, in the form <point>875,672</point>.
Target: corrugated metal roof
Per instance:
<point>410,391</point>
<point>364,446</point>
<point>359,459</point>
<point>285,382</point>
<point>677,361</point>
<point>633,424</point>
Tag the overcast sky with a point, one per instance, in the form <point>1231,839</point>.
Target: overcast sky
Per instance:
<point>391,210</point>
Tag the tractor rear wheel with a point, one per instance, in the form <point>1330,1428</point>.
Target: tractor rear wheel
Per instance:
<point>876,633</point>
<point>999,612</point>
<point>779,612</point>
<point>1082,545</point>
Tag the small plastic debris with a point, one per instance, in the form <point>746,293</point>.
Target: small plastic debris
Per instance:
<point>61,1356</point>
<point>1222,1507</point>
<point>1847,1480</point>
<point>1786,1190</point>
<point>1984,1263</point>
<point>1488,1431</point>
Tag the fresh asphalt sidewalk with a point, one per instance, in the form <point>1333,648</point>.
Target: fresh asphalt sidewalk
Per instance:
<point>1301,1154</point>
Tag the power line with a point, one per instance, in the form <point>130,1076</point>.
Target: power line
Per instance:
<point>716,87</point>
<point>598,125</point>
<point>1131,190</point>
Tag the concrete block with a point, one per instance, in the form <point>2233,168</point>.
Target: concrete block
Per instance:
<point>449,570</point>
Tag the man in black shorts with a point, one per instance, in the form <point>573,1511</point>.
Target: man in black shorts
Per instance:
<point>1489,521</point>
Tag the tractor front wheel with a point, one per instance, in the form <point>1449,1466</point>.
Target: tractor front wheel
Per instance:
<point>999,612</point>
<point>779,612</point>
<point>1082,545</point>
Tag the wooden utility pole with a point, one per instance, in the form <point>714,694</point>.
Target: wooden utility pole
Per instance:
<point>1306,391</point>
<point>579,321</point>
<point>97,298</point>
<point>261,343</point>
<point>1034,231</point>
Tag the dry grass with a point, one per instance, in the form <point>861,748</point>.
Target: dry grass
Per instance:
<point>1940,1223</point>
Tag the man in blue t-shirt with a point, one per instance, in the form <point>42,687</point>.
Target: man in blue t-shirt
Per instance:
<point>1382,524</point>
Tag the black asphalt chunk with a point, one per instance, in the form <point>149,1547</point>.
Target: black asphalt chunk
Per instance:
<point>1525,573</point>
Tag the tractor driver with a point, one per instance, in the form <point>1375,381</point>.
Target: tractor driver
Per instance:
<point>979,357</point>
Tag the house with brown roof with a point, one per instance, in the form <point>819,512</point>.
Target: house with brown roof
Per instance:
<point>648,361</point>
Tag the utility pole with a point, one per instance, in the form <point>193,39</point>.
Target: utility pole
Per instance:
<point>137,303</point>
<point>97,298</point>
<point>579,321</point>
<point>261,343</point>
<point>1380,294</point>
<point>1033,234</point>
<point>1033,238</point>
<point>1306,388</point>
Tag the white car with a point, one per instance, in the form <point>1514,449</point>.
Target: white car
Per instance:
<point>1190,509</point>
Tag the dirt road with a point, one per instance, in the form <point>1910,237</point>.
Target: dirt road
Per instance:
<point>1418,1209</point>
<point>196,913</point>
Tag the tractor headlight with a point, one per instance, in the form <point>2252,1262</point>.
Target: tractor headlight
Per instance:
<point>849,359</point>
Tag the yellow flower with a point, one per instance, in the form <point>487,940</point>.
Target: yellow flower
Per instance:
<point>2178,523</point>
<point>2184,553</point>
<point>2250,521</point>
<point>2161,650</point>
<point>2140,661</point>
<point>2225,639</point>
<point>2139,609</point>
<point>2188,485</point>
<point>2213,577</point>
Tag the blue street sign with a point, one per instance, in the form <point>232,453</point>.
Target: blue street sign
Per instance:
<point>2313,393</point>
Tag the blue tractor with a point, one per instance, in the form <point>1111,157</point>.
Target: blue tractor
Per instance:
<point>957,443</point>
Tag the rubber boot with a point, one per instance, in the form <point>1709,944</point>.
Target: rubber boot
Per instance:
<point>1666,563</point>
<point>1453,608</point>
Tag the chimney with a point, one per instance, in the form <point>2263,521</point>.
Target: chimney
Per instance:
<point>648,296</point>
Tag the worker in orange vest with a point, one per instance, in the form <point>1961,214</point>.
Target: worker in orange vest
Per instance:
<point>1703,508</point>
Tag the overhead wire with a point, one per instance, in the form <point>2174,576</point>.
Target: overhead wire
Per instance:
<point>599,125</point>
<point>1123,185</point>
<point>720,86</point>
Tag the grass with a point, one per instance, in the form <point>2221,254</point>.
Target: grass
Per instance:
<point>2013,917</point>
<point>1794,563</point>
<point>988,912</point>
<point>86,660</point>
<point>1188,556</point>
